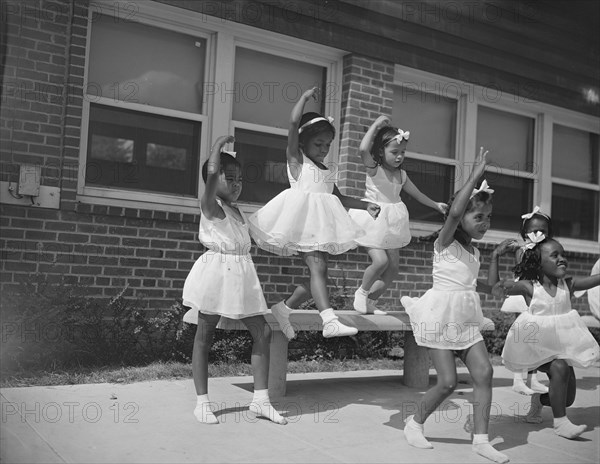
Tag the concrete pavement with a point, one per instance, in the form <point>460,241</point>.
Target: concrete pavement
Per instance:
<point>354,417</point>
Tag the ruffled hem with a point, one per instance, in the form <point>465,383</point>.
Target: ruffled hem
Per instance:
<point>536,340</point>
<point>226,285</point>
<point>389,230</point>
<point>446,319</point>
<point>296,221</point>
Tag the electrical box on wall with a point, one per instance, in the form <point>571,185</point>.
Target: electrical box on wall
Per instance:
<point>29,180</point>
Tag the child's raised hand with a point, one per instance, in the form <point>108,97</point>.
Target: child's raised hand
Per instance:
<point>498,289</point>
<point>506,246</point>
<point>224,139</point>
<point>373,209</point>
<point>314,93</point>
<point>382,121</point>
<point>442,207</point>
<point>480,163</point>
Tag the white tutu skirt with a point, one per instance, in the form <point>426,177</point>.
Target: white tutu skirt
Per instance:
<point>297,221</point>
<point>514,304</point>
<point>447,320</point>
<point>388,231</point>
<point>536,340</point>
<point>225,285</point>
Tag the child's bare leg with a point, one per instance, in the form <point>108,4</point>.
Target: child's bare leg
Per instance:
<point>202,342</point>
<point>478,362</point>
<point>445,366</point>
<point>261,336</point>
<point>388,276</point>
<point>379,263</point>
<point>317,265</point>
<point>561,394</point>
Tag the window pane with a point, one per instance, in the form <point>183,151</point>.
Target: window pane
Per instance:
<point>434,180</point>
<point>264,168</point>
<point>512,197</point>
<point>575,212</point>
<point>266,87</point>
<point>136,63</point>
<point>431,120</point>
<point>132,150</point>
<point>574,154</point>
<point>508,137</point>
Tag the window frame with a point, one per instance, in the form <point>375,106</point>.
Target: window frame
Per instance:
<point>470,96</point>
<point>221,37</point>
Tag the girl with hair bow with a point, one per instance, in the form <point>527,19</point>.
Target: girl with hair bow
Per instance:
<point>534,222</point>
<point>550,335</point>
<point>382,150</point>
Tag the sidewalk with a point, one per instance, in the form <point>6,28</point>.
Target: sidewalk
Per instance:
<point>354,417</point>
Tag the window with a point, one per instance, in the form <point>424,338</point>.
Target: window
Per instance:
<point>132,150</point>
<point>145,105</point>
<point>575,191</point>
<point>509,139</point>
<point>431,120</point>
<point>266,88</point>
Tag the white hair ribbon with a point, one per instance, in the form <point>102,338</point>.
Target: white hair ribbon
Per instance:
<point>530,215</point>
<point>314,120</point>
<point>533,238</point>
<point>484,187</point>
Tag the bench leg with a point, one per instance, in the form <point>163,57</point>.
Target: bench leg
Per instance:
<point>416,363</point>
<point>278,364</point>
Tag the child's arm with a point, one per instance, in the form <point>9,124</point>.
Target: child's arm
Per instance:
<point>507,287</point>
<point>504,247</point>
<point>294,157</point>
<point>585,283</point>
<point>354,203</point>
<point>414,192</point>
<point>208,202</point>
<point>367,141</point>
<point>461,201</point>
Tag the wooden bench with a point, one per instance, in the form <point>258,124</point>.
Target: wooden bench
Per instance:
<point>416,358</point>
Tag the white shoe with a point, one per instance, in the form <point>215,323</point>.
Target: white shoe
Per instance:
<point>360,302</point>
<point>372,309</point>
<point>335,328</point>
<point>538,387</point>
<point>282,315</point>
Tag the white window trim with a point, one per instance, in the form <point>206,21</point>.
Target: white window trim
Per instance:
<point>469,97</point>
<point>222,36</point>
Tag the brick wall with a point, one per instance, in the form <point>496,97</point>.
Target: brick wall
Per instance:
<point>107,248</point>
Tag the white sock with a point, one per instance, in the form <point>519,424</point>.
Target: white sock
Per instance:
<point>203,411</point>
<point>281,313</point>
<point>332,327</point>
<point>565,428</point>
<point>536,385</point>
<point>414,433</point>
<point>520,386</point>
<point>360,300</point>
<point>481,445</point>
<point>261,406</point>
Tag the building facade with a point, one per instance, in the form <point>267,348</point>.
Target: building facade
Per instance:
<point>109,109</point>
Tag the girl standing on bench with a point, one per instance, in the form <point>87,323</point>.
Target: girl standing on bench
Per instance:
<point>309,218</point>
<point>448,317</point>
<point>382,150</point>
<point>223,283</point>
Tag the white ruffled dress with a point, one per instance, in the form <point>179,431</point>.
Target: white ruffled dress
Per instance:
<point>449,316</point>
<point>390,229</point>
<point>306,217</point>
<point>549,329</point>
<point>223,281</point>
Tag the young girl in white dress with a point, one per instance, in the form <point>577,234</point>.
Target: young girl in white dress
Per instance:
<point>223,283</point>
<point>309,218</point>
<point>550,336</point>
<point>535,221</point>
<point>447,319</point>
<point>382,150</point>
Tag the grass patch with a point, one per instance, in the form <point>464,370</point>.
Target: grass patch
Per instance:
<point>178,370</point>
